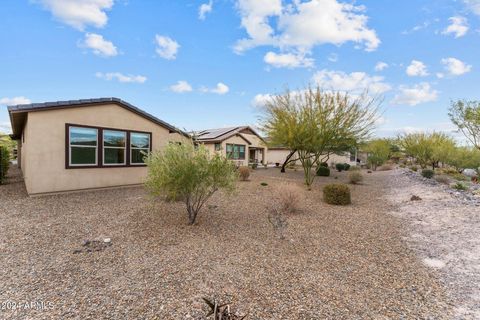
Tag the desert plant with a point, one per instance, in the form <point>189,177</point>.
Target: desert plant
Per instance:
<point>460,186</point>
<point>427,173</point>
<point>442,179</point>
<point>264,184</point>
<point>337,194</point>
<point>290,198</point>
<point>355,168</point>
<point>466,116</point>
<point>221,311</point>
<point>244,173</point>
<point>414,168</point>
<point>4,163</point>
<point>340,167</point>
<point>254,166</point>
<point>323,164</point>
<point>189,173</point>
<point>355,177</point>
<point>323,171</point>
<point>346,166</point>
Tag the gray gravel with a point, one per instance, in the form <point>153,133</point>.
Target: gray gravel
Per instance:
<point>444,230</point>
<point>336,262</point>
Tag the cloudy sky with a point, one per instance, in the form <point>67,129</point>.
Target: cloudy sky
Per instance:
<point>211,63</point>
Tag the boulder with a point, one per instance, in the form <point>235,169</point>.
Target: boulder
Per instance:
<point>470,173</point>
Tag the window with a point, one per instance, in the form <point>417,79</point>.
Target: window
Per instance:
<point>236,151</point>
<point>218,146</point>
<point>83,146</point>
<point>114,145</point>
<point>139,147</point>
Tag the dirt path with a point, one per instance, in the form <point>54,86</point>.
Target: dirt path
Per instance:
<point>445,233</point>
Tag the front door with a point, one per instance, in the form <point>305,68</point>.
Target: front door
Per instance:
<point>252,155</point>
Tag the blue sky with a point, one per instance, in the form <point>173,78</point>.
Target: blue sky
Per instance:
<point>205,64</point>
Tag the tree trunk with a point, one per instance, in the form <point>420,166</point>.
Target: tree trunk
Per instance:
<point>287,160</point>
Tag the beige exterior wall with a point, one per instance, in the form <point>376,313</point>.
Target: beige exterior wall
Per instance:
<point>43,153</point>
<point>280,155</point>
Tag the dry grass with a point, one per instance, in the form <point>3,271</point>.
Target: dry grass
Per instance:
<point>335,262</point>
<point>244,173</point>
<point>291,198</point>
<point>355,177</point>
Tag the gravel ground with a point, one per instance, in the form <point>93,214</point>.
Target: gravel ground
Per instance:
<point>336,262</point>
<point>444,231</point>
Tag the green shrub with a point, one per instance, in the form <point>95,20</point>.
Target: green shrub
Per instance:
<point>340,167</point>
<point>346,166</point>
<point>337,194</point>
<point>460,186</point>
<point>355,168</point>
<point>355,177</point>
<point>4,163</point>
<point>402,165</point>
<point>323,171</point>
<point>427,173</point>
<point>189,173</point>
<point>263,184</point>
<point>324,164</point>
<point>414,168</point>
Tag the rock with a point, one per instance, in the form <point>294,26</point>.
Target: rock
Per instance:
<point>107,240</point>
<point>77,251</point>
<point>470,173</point>
<point>415,198</point>
<point>86,243</point>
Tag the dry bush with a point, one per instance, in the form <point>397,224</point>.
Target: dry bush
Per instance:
<point>385,167</point>
<point>244,173</point>
<point>337,194</point>
<point>442,179</point>
<point>355,177</point>
<point>279,222</point>
<point>291,198</point>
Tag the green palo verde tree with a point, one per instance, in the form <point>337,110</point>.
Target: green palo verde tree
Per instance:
<point>378,150</point>
<point>189,174</point>
<point>314,124</point>
<point>466,116</point>
<point>427,148</point>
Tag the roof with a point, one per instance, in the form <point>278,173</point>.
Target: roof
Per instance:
<point>18,112</point>
<point>221,134</point>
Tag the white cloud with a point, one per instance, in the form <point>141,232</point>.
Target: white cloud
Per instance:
<point>14,101</point>
<point>99,45</point>
<point>261,99</point>
<point>473,5</point>
<point>417,69</point>
<point>380,66</point>
<point>419,93</point>
<point>287,60</point>
<point>458,26</point>
<point>355,82</point>
<point>333,57</point>
<point>121,77</point>
<point>80,13</point>
<point>181,87</point>
<point>204,9</point>
<point>220,89</point>
<point>456,67</point>
<point>302,25</point>
<point>5,127</point>
<point>167,48</point>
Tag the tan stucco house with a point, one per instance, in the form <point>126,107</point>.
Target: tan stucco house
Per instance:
<point>242,144</point>
<point>278,155</point>
<point>86,144</point>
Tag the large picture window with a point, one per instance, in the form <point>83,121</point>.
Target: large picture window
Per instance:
<point>114,145</point>
<point>98,147</point>
<point>236,151</point>
<point>83,146</point>
<point>139,147</point>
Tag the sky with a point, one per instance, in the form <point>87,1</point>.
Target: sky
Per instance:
<point>212,63</point>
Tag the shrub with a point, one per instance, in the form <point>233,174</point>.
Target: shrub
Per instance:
<point>264,184</point>
<point>244,173</point>
<point>385,167</point>
<point>4,163</point>
<point>278,221</point>
<point>427,173</point>
<point>414,168</point>
<point>254,166</point>
<point>193,175</point>
<point>346,166</point>
<point>340,167</point>
<point>442,179</point>
<point>337,194</point>
<point>402,165</point>
<point>323,171</point>
<point>355,177</point>
<point>355,168</point>
<point>324,164</point>
<point>460,186</point>
<point>291,198</point>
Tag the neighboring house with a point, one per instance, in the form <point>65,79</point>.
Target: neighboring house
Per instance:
<point>241,144</point>
<point>85,144</point>
<point>278,155</point>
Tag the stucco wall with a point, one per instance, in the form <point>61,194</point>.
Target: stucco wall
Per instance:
<point>44,157</point>
<point>279,155</point>
<point>256,143</point>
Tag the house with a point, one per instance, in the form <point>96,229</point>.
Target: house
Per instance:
<point>86,144</point>
<point>241,144</point>
<point>278,155</point>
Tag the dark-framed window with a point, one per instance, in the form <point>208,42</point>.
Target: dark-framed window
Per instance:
<point>235,151</point>
<point>218,146</point>
<point>100,147</point>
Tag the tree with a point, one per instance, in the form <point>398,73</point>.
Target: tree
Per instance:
<point>465,158</point>
<point>379,151</point>
<point>190,174</point>
<point>427,148</point>
<point>313,124</point>
<point>466,116</point>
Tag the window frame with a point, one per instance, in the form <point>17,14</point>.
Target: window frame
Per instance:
<point>233,151</point>
<point>100,148</point>
<point>131,148</point>
<point>69,147</point>
<point>125,134</point>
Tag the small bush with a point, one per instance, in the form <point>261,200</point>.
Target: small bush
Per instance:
<point>413,168</point>
<point>442,179</point>
<point>346,166</point>
<point>340,167</point>
<point>244,173</point>
<point>324,164</point>
<point>291,198</point>
<point>323,171</point>
<point>355,177</point>
<point>460,186</point>
<point>264,184</point>
<point>427,173</point>
<point>4,163</point>
<point>254,166</point>
<point>355,168</point>
<point>459,177</point>
<point>337,194</point>
<point>402,165</point>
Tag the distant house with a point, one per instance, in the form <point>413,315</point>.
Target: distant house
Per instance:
<point>85,144</point>
<point>241,144</point>
<point>278,155</point>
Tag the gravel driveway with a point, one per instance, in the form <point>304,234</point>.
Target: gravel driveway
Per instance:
<point>336,262</point>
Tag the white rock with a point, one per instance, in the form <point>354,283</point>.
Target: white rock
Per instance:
<point>434,263</point>
<point>107,240</point>
<point>470,173</point>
